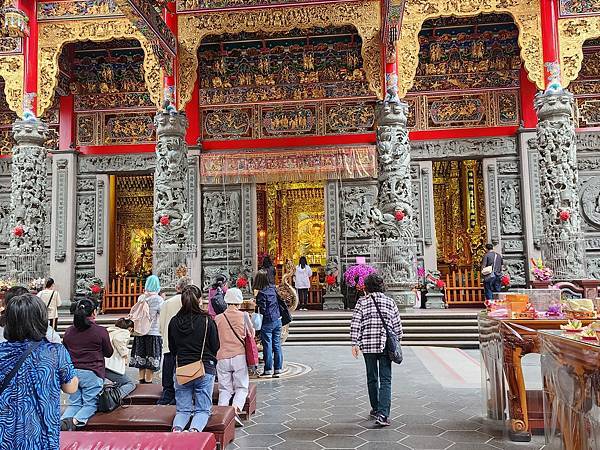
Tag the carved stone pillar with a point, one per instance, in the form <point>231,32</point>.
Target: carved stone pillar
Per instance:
<point>28,199</point>
<point>171,215</point>
<point>394,249</point>
<point>333,300</point>
<point>562,244</point>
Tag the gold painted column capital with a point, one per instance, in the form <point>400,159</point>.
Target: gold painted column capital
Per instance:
<point>572,34</point>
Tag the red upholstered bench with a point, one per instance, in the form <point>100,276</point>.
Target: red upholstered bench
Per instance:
<point>160,418</point>
<point>84,440</point>
<point>149,394</point>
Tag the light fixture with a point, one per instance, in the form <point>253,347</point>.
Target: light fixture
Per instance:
<point>14,22</point>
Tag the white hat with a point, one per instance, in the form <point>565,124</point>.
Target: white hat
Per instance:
<point>234,296</point>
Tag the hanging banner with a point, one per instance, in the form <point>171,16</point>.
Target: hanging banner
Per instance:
<point>324,163</point>
<point>145,17</point>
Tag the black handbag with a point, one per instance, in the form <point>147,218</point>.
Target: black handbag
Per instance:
<point>393,348</point>
<point>110,398</point>
<point>286,317</point>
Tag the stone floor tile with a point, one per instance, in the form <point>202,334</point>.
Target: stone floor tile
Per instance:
<point>413,419</point>
<point>294,445</point>
<point>308,424</point>
<point>471,446</point>
<point>457,425</point>
<point>386,446</point>
<point>301,435</point>
<point>258,440</point>
<point>341,442</point>
<point>421,430</point>
<point>346,429</point>
<point>466,436</point>
<point>264,428</point>
<point>426,442</point>
<point>382,435</point>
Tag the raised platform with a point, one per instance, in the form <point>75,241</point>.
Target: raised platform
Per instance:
<point>422,327</point>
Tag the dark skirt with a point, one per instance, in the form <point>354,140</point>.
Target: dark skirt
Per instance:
<point>146,352</point>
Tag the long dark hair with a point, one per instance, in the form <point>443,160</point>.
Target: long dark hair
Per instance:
<point>261,280</point>
<point>84,309</point>
<point>190,300</point>
<point>13,291</point>
<point>266,262</point>
<point>26,318</point>
<point>303,262</point>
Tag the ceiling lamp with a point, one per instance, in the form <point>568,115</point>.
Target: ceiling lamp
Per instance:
<point>14,22</point>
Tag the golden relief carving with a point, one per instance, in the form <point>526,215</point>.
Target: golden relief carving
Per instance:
<point>526,14</point>
<point>572,33</point>
<point>364,16</point>
<point>11,71</point>
<point>53,36</point>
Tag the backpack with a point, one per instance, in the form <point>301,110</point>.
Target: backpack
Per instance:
<point>140,315</point>
<point>218,302</point>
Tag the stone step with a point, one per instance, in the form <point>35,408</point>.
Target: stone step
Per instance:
<point>467,344</point>
<point>406,337</point>
<point>408,329</point>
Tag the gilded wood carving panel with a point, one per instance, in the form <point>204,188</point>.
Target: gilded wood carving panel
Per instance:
<point>572,34</point>
<point>526,14</point>
<point>364,16</point>
<point>53,36</point>
<point>12,72</point>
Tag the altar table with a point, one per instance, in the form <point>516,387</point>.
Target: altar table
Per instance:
<point>571,375</point>
<point>503,342</point>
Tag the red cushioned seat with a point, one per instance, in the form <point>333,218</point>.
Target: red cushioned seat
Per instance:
<point>160,418</point>
<point>149,394</point>
<point>85,440</point>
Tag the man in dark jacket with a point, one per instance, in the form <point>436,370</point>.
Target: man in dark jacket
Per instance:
<point>491,280</point>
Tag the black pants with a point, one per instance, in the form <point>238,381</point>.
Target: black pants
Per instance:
<point>168,372</point>
<point>303,297</point>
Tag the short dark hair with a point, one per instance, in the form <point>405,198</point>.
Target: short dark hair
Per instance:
<point>26,318</point>
<point>124,323</point>
<point>374,283</point>
<point>190,300</point>
<point>220,279</point>
<point>489,247</point>
<point>49,283</point>
<point>10,293</point>
<point>261,280</point>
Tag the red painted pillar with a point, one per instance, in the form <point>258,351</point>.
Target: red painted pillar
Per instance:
<point>171,21</point>
<point>550,45</point>
<point>528,92</point>
<point>192,111</point>
<point>66,124</point>
<point>30,49</point>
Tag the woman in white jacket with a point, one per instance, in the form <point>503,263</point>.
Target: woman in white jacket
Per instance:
<point>302,282</point>
<point>117,363</point>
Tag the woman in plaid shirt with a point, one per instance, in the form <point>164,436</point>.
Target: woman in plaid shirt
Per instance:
<point>368,336</point>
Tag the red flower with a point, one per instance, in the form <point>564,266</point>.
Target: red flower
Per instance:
<point>241,282</point>
<point>96,289</point>
<point>19,231</point>
<point>165,220</point>
<point>440,284</point>
<point>399,215</point>
<point>330,280</point>
<point>564,215</point>
<point>505,280</point>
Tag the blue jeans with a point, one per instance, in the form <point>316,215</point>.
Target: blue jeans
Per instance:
<point>125,384</point>
<point>193,399</point>
<point>379,382</point>
<point>270,335</point>
<point>491,285</point>
<point>83,403</point>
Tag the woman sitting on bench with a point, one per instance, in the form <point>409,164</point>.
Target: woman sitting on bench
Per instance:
<point>194,343</point>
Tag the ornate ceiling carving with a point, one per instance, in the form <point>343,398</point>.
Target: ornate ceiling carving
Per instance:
<point>572,34</point>
<point>53,36</point>
<point>526,14</point>
<point>11,71</point>
<point>364,15</point>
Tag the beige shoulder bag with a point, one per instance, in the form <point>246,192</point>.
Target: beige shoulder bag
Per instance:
<point>195,370</point>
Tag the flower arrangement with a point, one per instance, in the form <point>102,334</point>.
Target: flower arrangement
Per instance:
<point>242,282</point>
<point>6,284</point>
<point>539,271</point>
<point>505,280</point>
<point>355,275</point>
<point>564,215</point>
<point>91,287</point>
<point>37,285</point>
<point>165,220</point>
<point>18,231</point>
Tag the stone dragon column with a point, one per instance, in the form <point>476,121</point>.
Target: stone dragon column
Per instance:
<point>394,247</point>
<point>28,200</point>
<point>171,216</point>
<point>562,243</point>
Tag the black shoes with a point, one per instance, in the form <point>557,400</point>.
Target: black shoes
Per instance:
<point>382,421</point>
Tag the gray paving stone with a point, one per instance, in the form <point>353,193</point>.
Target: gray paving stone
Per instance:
<point>421,430</point>
<point>301,435</point>
<point>346,429</point>
<point>294,445</point>
<point>426,442</point>
<point>382,435</point>
<point>308,424</point>
<point>466,436</point>
<point>264,428</point>
<point>258,440</point>
<point>341,442</point>
<point>458,425</point>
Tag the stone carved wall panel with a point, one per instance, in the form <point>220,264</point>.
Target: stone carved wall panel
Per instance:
<point>463,148</point>
<point>221,213</point>
<point>510,206</point>
<point>590,201</point>
<point>86,220</point>
<point>356,204</point>
<point>131,162</point>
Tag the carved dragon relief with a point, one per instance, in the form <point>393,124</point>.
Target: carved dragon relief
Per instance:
<point>526,14</point>
<point>364,15</point>
<point>53,37</point>
<point>572,33</point>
